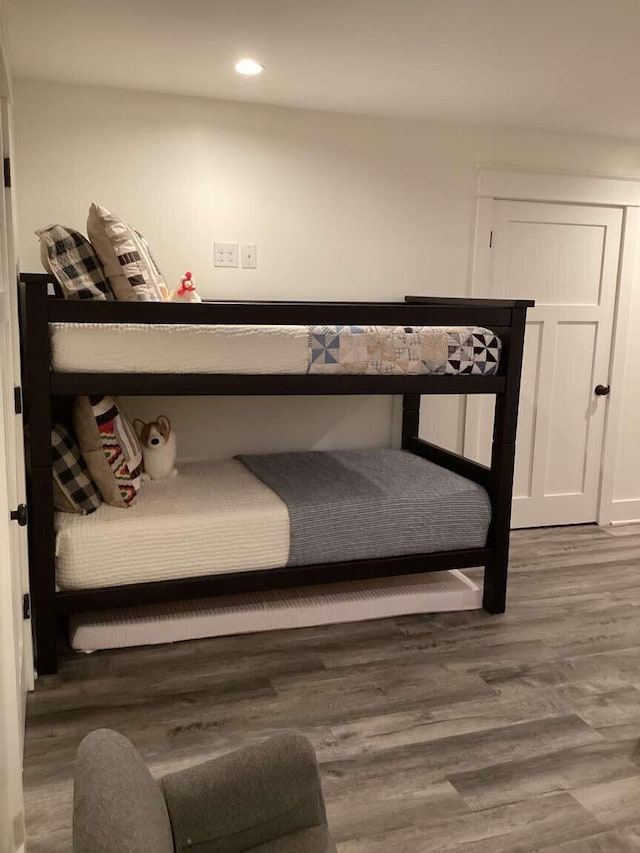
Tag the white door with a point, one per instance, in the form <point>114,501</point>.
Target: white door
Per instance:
<point>566,258</point>
<point>12,685</point>
<point>14,436</point>
<point>16,656</point>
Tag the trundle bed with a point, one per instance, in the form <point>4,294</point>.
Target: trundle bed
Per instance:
<point>283,520</point>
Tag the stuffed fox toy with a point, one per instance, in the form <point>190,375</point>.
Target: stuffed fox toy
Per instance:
<point>158,443</point>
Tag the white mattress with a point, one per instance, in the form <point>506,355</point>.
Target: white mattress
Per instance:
<point>214,517</point>
<point>350,601</point>
<point>165,348</point>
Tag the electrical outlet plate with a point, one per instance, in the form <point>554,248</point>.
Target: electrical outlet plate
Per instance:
<point>248,252</point>
<point>225,254</point>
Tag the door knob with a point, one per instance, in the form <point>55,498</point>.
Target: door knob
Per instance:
<point>20,515</point>
<point>602,390</point>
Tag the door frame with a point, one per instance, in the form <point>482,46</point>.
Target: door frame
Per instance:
<point>504,184</point>
<point>12,827</point>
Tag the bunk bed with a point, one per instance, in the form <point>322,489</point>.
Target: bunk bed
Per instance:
<point>51,379</point>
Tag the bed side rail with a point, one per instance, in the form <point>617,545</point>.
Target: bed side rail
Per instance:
<point>451,461</point>
<point>229,312</point>
<point>463,300</point>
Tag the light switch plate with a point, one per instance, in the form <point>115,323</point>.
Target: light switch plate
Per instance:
<point>249,255</point>
<point>225,254</point>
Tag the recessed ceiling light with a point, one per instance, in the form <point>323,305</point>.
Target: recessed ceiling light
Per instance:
<point>249,67</point>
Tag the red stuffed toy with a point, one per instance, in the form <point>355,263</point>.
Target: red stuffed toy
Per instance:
<point>186,290</point>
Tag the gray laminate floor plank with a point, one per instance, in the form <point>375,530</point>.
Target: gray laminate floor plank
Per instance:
<point>599,770</point>
<point>449,732</point>
<point>514,828</point>
<point>614,841</point>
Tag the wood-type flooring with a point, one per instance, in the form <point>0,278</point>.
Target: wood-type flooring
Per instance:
<point>449,732</point>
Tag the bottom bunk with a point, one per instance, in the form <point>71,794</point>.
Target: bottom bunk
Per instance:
<point>273,512</point>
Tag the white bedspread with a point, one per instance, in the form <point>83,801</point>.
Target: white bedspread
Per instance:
<point>164,348</point>
<point>215,517</point>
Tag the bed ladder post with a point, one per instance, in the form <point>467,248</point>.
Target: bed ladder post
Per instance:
<point>502,468</point>
<point>410,419</point>
<point>494,595</point>
<point>37,386</point>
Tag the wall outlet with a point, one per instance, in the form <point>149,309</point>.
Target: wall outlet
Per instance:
<point>225,254</point>
<point>249,254</point>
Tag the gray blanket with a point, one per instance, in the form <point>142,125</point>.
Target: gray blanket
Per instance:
<point>360,504</point>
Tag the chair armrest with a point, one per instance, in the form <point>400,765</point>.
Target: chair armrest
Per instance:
<point>246,798</point>
<point>117,805</point>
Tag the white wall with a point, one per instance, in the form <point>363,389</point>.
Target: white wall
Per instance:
<point>626,491</point>
<point>341,207</point>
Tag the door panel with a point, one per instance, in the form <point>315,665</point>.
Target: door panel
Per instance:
<point>567,261</point>
<point>566,258</point>
<point>522,481</point>
<point>569,409</point>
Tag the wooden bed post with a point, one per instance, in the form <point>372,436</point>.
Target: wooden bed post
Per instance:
<point>36,380</point>
<point>410,419</point>
<point>502,467</point>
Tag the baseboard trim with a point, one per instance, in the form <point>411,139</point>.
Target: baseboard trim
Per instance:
<point>624,511</point>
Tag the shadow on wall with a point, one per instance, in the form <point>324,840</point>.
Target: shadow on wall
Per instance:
<point>220,427</point>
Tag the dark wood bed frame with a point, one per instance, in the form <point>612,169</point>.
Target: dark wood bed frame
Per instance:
<point>46,392</point>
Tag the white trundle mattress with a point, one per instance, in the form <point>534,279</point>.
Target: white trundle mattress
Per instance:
<point>215,517</point>
<point>273,610</point>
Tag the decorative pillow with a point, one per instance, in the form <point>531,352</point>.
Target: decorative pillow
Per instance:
<point>71,258</point>
<point>110,448</point>
<point>132,275</point>
<point>155,269</point>
<point>73,488</point>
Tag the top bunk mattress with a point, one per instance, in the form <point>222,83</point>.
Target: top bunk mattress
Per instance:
<point>360,350</point>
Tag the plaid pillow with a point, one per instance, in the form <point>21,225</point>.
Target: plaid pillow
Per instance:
<point>73,489</point>
<point>71,258</point>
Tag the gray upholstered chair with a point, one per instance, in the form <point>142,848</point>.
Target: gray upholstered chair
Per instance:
<point>264,799</point>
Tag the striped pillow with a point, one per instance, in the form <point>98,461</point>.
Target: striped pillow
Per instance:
<point>132,274</point>
<point>157,276</point>
<point>72,260</point>
<point>73,488</point>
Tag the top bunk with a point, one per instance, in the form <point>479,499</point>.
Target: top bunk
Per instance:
<point>424,345</point>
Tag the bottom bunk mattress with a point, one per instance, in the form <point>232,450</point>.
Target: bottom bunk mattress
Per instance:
<point>268,511</point>
<point>214,517</point>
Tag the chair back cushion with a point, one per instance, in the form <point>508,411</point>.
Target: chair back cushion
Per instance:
<point>248,798</point>
<point>117,805</point>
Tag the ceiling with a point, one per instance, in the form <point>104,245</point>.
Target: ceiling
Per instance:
<point>567,65</point>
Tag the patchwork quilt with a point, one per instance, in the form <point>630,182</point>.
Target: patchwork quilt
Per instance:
<point>386,350</point>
